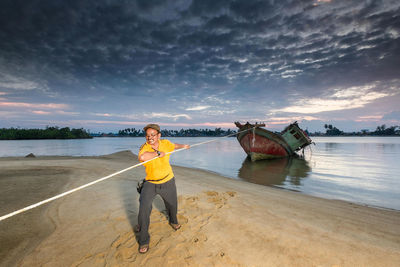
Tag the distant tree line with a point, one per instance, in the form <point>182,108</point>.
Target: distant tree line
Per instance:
<point>132,132</point>
<point>330,130</point>
<point>67,133</point>
<point>48,133</point>
<point>380,131</point>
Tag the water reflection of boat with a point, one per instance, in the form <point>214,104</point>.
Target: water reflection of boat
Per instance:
<point>275,171</point>
<point>260,143</point>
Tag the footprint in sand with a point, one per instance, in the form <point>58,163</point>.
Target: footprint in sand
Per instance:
<point>219,199</point>
<point>200,213</point>
<point>200,237</point>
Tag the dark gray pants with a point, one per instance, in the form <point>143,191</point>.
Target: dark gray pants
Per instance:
<point>167,191</point>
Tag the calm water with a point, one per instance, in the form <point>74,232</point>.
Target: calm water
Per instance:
<point>364,170</point>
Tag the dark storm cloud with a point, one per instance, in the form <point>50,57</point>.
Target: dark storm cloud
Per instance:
<point>103,36</point>
<point>131,48</point>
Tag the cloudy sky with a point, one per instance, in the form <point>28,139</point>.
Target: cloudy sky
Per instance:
<point>105,65</point>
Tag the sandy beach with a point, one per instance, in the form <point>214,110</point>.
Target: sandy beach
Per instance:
<point>225,222</point>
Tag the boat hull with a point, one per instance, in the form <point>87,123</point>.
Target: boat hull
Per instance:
<point>260,143</point>
<point>263,144</point>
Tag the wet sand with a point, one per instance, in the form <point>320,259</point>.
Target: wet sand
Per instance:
<point>225,222</point>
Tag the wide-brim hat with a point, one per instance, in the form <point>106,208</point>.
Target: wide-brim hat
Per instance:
<point>152,126</point>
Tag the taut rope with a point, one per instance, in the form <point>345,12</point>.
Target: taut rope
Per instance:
<point>102,179</point>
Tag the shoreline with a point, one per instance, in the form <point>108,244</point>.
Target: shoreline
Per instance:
<point>224,221</point>
<point>52,157</point>
<point>362,186</point>
<point>289,189</point>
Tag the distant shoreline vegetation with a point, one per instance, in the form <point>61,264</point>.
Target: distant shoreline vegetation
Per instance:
<point>218,132</point>
<point>380,131</point>
<point>48,133</point>
<point>67,133</point>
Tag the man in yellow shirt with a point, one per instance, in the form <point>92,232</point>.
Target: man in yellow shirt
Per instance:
<point>159,180</point>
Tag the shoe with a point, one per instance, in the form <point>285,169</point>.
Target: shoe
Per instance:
<point>175,226</point>
<point>143,249</point>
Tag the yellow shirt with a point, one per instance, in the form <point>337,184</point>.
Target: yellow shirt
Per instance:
<point>158,171</point>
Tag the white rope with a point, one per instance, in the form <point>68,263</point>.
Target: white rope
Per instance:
<point>100,180</point>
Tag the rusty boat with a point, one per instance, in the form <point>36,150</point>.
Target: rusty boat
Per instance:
<point>260,143</point>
